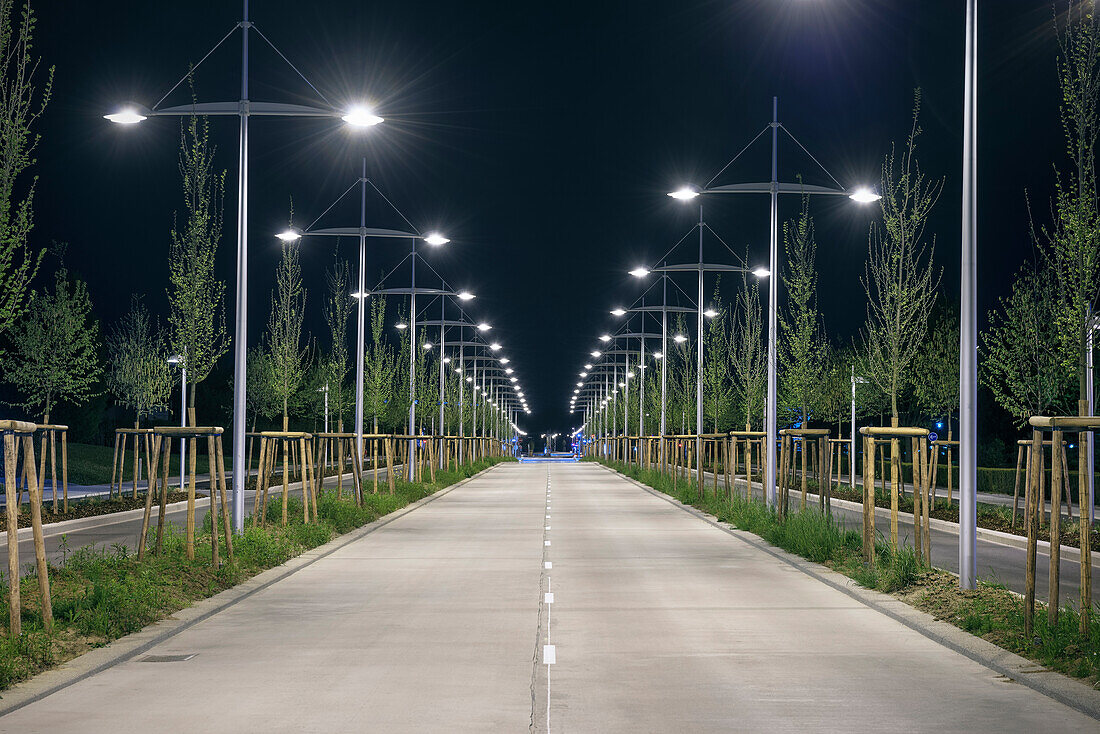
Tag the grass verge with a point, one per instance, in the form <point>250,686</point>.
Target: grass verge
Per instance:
<point>101,594</point>
<point>991,611</point>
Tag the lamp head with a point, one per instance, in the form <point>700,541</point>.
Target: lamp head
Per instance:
<point>128,114</point>
<point>864,195</point>
<point>289,235</point>
<point>466,296</point>
<point>640,272</point>
<point>684,193</point>
<point>361,117</point>
<point>761,272</point>
<point>618,312</point>
<point>435,239</point>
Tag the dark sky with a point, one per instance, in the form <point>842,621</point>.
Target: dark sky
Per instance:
<point>541,138</point>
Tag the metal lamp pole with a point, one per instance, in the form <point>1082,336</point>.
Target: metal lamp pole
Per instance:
<point>242,108</point>
<point>968,325</point>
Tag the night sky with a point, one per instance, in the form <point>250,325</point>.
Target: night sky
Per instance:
<point>541,138</point>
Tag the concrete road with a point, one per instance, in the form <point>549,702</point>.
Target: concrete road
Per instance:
<point>659,622</point>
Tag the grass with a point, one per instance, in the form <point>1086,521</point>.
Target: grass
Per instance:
<point>102,594</point>
<point>991,611</point>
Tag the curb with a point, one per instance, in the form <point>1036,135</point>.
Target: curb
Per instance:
<point>126,648</point>
<point>1050,683</point>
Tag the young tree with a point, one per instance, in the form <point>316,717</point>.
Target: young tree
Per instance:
<point>261,399</point>
<point>138,373</point>
<point>1072,242</point>
<point>900,280</point>
<point>379,368</point>
<point>289,359</point>
<point>834,389</point>
<point>197,311</point>
<point>747,352</point>
<point>427,385</point>
<point>1026,375</point>
<point>681,380</point>
<point>717,387</point>
<point>337,315</point>
<point>936,369</point>
<point>21,104</point>
<point>802,346</point>
<point>55,348</point>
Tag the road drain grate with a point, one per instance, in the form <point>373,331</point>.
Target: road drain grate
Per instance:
<point>167,658</point>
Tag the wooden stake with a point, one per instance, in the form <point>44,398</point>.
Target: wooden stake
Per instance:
<point>261,482</point>
<point>869,500</point>
<point>163,493</point>
<point>1055,528</point>
<point>226,522</point>
<point>1032,533</point>
<point>1016,489</point>
<point>192,481</point>
<point>114,465</point>
<point>11,487</point>
<point>215,558</point>
<point>149,499</point>
<point>35,492</point>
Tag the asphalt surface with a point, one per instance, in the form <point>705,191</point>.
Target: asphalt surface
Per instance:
<point>439,621</point>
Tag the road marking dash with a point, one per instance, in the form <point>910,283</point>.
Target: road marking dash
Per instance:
<point>549,655</point>
<point>548,598</point>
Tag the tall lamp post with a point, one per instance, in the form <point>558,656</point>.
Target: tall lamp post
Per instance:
<point>363,233</point>
<point>664,309</point>
<point>700,268</point>
<point>412,293</point>
<point>968,323</point>
<point>774,188</point>
<point>243,108</point>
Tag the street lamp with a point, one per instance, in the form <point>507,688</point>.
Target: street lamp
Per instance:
<point>773,188</point>
<point>243,108</point>
<point>363,233</point>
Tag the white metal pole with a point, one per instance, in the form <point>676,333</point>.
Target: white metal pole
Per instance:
<point>411,468</point>
<point>1090,445</point>
<point>361,324</point>
<point>699,362</point>
<point>852,445</point>
<point>773,320</point>
<point>664,349</point>
<point>183,420</point>
<point>240,336</point>
<point>968,346</point>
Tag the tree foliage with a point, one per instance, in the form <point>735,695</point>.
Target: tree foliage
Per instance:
<point>337,314</point>
<point>55,348</point>
<point>138,373</point>
<point>379,370</point>
<point>195,295</point>
<point>802,344</point>
<point>748,356</point>
<point>289,358</point>
<point>936,369</point>
<point>21,105</point>
<point>1025,374</point>
<point>1072,241</point>
<point>900,279</point>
